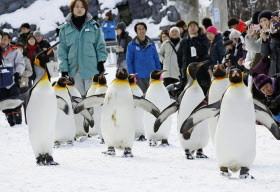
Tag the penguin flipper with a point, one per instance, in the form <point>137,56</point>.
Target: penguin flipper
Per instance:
<point>264,116</point>
<point>94,100</point>
<point>165,114</point>
<point>146,105</point>
<point>200,113</point>
<point>86,126</point>
<point>62,104</point>
<point>10,103</point>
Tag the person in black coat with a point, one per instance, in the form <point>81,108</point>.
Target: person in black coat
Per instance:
<point>217,49</point>
<point>43,43</point>
<point>123,40</point>
<point>194,48</point>
<point>270,87</point>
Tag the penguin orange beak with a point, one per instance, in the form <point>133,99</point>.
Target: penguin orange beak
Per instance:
<point>52,47</point>
<point>67,82</point>
<point>133,76</point>
<point>159,73</point>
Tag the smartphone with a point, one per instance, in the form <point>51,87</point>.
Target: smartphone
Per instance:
<point>256,27</point>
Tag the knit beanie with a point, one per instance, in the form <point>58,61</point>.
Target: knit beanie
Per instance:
<point>255,17</point>
<point>260,80</point>
<point>37,34</point>
<point>121,25</point>
<point>267,14</point>
<point>212,29</point>
<point>234,34</point>
<point>193,21</point>
<point>174,28</point>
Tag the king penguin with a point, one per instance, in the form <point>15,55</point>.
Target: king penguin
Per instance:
<point>117,120</point>
<point>41,111</point>
<point>90,92</point>
<point>101,89</point>
<point>190,97</point>
<point>79,119</point>
<point>159,96</point>
<point>65,129</point>
<point>235,138</point>
<point>218,86</point>
<point>139,113</point>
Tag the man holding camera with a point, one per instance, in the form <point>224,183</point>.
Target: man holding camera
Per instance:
<point>12,57</point>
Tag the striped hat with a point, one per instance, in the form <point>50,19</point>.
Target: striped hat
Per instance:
<point>260,80</point>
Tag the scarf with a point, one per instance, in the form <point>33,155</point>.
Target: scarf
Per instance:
<point>31,51</point>
<point>78,21</point>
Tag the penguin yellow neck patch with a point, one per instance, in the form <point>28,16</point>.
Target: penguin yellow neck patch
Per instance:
<point>219,78</point>
<point>133,84</point>
<point>121,81</point>
<point>102,85</point>
<point>236,84</point>
<point>156,81</point>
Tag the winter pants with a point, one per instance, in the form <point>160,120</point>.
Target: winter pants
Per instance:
<point>12,92</point>
<point>82,84</point>
<point>143,84</point>
<point>168,81</point>
<point>122,64</point>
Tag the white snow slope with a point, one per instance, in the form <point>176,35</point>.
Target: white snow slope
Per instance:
<point>84,168</point>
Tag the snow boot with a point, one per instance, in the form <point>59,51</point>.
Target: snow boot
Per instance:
<point>111,151</point>
<point>244,173</point>
<point>127,152</point>
<point>10,119</point>
<point>49,160</point>
<point>188,154</point>
<point>18,117</point>
<point>200,154</point>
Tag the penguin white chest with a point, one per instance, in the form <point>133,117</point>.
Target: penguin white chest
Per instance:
<point>117,121</point>
<point>235,140</point>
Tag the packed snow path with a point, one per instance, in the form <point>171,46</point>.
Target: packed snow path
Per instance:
<point>83,167</point>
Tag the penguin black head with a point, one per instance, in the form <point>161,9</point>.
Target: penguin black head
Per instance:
<point>95,78</point>
<point>71,81</point>
<point>235,76</point>
<point>219,71</point>
<point>43,57</point>
<point>102,79</point>
<point>155,74</point>
<point>131,78</point>
<point>193,68</point>
<point>63,81</point>
<point>121,73</point>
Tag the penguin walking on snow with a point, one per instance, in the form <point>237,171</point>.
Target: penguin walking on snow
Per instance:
<point>159,96</point>
<point>79,119</point>
<point>139,113</point>
<point>190,97</point>
<point>218,86</point>
<point>65,129</point>
<point>235,138</point>
<point>101,89</point>
<point>117,121</point>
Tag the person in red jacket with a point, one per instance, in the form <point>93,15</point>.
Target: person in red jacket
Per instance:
<point>239,25</point>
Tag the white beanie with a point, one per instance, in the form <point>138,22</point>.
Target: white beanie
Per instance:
<point>174,28</point>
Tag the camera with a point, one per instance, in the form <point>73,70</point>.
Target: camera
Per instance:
<point>275,14</point>
<point>267,32</point>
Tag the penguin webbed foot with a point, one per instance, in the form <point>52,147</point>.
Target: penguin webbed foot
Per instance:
<point>188,155</point>
<point>56,144</point>
<point>127,153</point>
<point>111,151</point>
<point>49,160</point>
<point>102,141</point>
<point>200,154</point>
<point>40,160</point>
<point>244,173</point>
<point>141,138</point>
<point>164,143</point>
<point>152,143</point>
<point>224,172</point>
<point>70,143</point>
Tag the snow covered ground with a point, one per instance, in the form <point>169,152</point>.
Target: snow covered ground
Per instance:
<point>84,168</point>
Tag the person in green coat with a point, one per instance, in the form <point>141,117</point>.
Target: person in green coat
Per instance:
<point>82,49</point>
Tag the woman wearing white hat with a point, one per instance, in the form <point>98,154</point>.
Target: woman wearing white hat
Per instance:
<point>168,57</point>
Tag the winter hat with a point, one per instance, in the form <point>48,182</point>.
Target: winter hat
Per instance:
<point>174,28</point>
<point>37,34</point>
<point>193,21</point>
<point>121,25</point>
<point>140,23</point>
<point>207,22</point>
<point>25,25</point>
<point>234,34</point>
<point>181,24</point>
<point>110,15</point>
<point>260,80</point>
<point>212,29</point>
<point>227,41</point>
<point>255,19</point>
<point>267,14</point>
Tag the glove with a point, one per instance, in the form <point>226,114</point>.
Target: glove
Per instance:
<point>272,104</point>
<point>17,79</point>
<point>100,66</point>
<point>64,74</point>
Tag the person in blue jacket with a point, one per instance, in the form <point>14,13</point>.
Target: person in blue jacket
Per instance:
<point>142,57</point>
<point>82,49</point>
<point>108,27</point>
